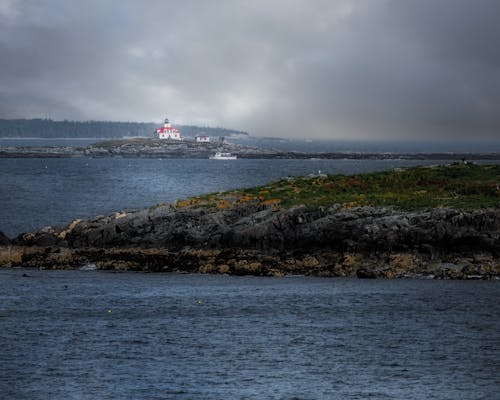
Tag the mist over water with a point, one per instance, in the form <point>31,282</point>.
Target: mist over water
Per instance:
<point>377,146</point>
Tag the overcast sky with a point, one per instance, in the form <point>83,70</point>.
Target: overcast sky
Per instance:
<point>330,69</point>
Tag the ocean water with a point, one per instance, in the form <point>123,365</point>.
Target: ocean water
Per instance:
<point>99,335</point>
<point>37,192</point>
<point>41,192</point>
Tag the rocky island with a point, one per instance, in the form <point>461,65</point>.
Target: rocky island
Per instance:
<point>161,148</point>
<point>437,222</point>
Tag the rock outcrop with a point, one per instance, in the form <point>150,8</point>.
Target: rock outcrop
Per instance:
<point>4,240</point>
<point>265,240</point>
<point>158,148</point>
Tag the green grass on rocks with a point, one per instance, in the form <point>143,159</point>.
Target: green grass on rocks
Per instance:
<point>459,185</point>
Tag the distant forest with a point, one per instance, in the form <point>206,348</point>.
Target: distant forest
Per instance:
<point>47,128</point>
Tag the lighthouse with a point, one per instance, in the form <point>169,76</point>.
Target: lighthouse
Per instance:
<point>168,132</point>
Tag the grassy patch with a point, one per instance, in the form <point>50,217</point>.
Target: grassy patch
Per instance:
<point>459,185</point>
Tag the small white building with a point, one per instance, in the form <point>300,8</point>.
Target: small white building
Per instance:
<point>168,132</point>
<point>202,138</point>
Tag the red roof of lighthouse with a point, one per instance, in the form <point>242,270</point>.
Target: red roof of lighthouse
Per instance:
<point>163,129</point>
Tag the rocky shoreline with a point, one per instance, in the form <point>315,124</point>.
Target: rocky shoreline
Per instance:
<point>155,148</point>
<point>266,240</point>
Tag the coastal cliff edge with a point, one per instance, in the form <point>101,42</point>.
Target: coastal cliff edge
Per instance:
<point>367,242</point>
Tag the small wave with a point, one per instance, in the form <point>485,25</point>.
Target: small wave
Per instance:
<point>88,267</point>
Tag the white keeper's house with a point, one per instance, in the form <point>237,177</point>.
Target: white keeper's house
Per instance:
<point>202,138</point>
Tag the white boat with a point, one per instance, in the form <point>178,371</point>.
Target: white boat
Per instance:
<point>223,156</point>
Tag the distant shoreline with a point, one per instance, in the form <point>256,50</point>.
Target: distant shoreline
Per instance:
<point>155,148</point>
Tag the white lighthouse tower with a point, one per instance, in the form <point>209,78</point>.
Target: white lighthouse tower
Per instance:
<point>168,132</point>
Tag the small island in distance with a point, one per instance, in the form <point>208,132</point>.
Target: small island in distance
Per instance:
<point>434,222</point>
<point>137,139</point>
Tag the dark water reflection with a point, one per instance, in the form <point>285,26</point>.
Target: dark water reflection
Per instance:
<point>96,335</point>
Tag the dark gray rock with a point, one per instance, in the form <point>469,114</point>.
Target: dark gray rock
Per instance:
<point>4,240</point>
<point>367,242</point>
<point>257,227</point>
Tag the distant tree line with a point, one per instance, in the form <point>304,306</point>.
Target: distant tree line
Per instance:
<point>48,128</point>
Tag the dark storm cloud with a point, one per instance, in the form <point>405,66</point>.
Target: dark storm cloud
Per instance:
<point>341,68</point>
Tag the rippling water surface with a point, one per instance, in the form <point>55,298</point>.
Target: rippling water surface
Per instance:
<point>98,335</point>
<point>38,192</point>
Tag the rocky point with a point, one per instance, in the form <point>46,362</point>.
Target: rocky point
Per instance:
<point>258,239</point>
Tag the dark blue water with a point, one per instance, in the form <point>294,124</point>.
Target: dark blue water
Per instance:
<point>97,335</point>
<point>39,192</point>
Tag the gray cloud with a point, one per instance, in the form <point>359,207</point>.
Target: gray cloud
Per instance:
<point>333,69</point>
